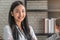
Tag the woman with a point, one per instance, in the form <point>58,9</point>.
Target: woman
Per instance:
<point>18,28</point>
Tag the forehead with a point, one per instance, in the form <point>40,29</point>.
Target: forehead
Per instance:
<point>19,7</point>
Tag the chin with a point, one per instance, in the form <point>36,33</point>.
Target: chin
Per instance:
<point>20,20</point>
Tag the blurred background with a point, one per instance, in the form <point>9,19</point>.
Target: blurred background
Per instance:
<point>37,12</point>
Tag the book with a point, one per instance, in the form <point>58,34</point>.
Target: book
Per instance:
<point>49,25</point>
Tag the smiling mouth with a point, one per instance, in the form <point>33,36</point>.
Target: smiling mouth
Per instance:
<point>18,17</point>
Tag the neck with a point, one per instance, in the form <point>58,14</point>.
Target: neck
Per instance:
<point>18,25</point>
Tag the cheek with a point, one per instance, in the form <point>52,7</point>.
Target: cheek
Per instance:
<point>24,15</point>
<point>15,16</point>
<point>59,29</point>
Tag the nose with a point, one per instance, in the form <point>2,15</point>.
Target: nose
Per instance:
<point>20,13</point>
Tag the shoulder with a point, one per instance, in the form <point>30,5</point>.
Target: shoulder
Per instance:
<point>7,34</point>
<point>7,29</point>
<point>31,29</point>
<point>52,37</point>
<point>32,33</point>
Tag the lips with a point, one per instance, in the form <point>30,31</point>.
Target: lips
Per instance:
<point>18,17</point>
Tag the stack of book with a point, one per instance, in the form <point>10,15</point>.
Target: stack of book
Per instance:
<point>49,25</point>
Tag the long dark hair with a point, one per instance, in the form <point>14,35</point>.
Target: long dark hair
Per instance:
<point>24,23</point>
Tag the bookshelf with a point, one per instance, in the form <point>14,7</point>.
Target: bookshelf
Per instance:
<point>44,34</point>
<point>54,8</point>
<point>37,6</point>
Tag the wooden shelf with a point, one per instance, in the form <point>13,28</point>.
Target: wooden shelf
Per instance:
<point>36,0</point>
<point>54,10</point>
<point>37,10</point>
<point>44,34</point>
<point>37,5</point>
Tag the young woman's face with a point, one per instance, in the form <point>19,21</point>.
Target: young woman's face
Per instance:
<point>19,13</point>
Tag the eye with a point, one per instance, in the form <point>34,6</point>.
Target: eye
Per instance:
<point>17,11</point>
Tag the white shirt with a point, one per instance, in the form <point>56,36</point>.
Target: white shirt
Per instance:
<point>7,35</point>
<point>54,37</point>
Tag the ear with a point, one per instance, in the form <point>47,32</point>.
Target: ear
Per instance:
<point>11,13</point>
